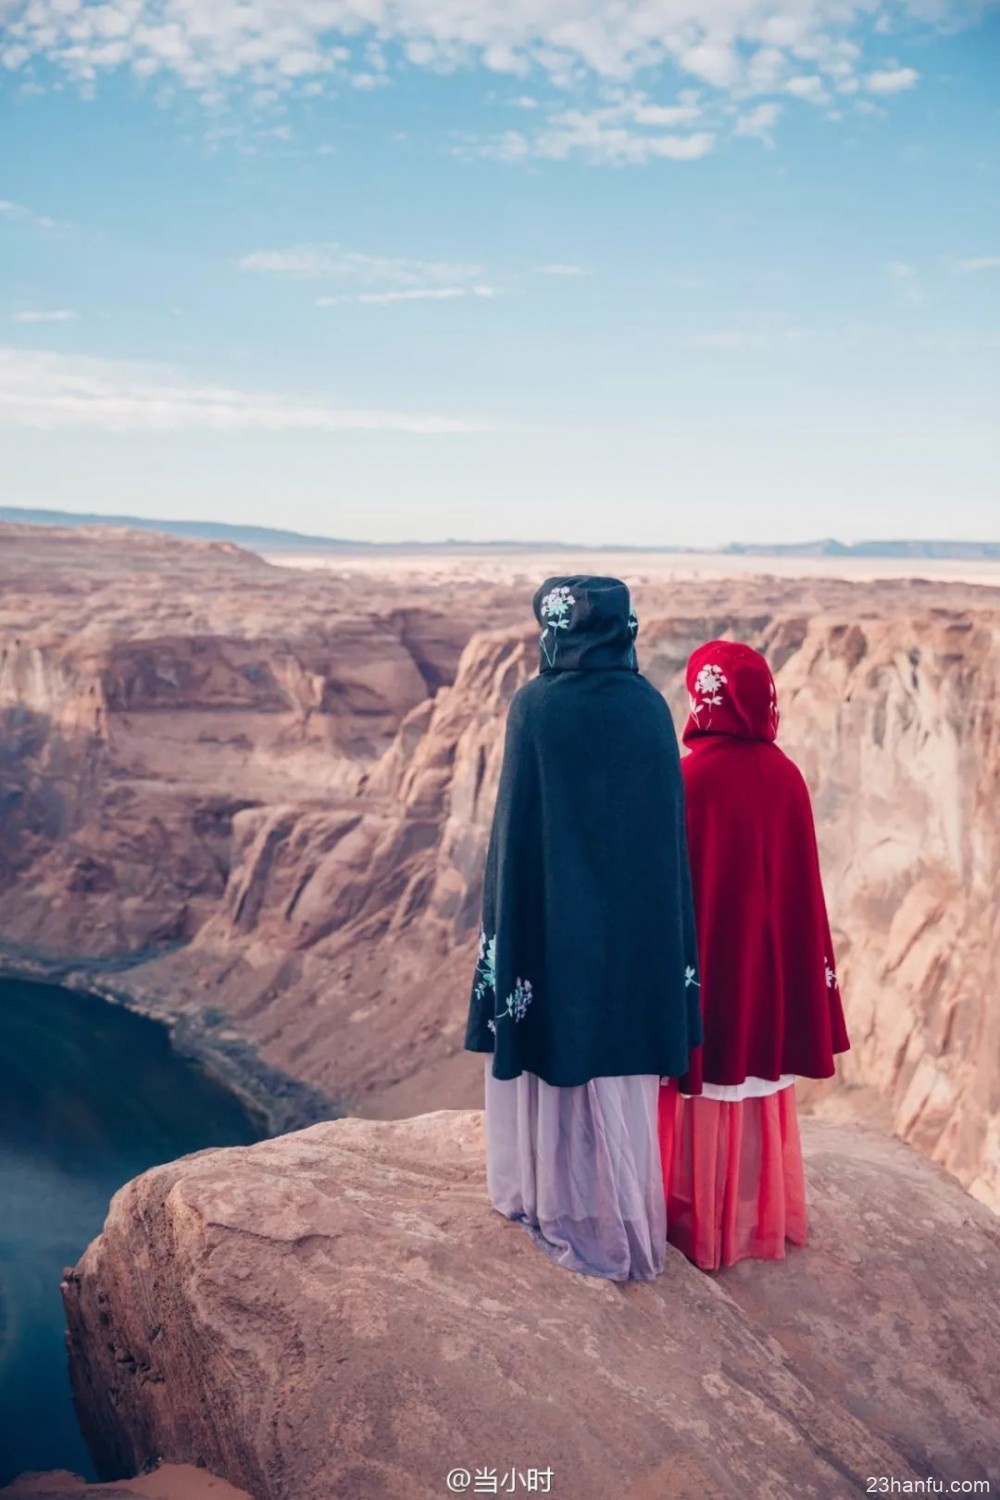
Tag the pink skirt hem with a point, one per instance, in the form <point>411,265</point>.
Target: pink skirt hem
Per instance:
<point>733,1176</point>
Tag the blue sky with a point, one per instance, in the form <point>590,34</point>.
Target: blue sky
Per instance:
<point>677,272</point>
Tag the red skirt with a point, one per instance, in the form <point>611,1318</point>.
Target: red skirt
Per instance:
<point>733,1176</point>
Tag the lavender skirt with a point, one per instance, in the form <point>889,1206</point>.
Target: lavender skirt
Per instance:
<point>580,1169</point>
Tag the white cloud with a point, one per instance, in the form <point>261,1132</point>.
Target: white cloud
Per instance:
<point>16,213</point>
<point>562,268</point>
<point>626,131</point>
<point>972,265</point>
<point>666,116</point>
<point>891,80</point>
<point>56,315</point>
<point>578,132</point>
<point>512,145</point>
<point>726,44</point>
<point>47,391</point>
<point>759,122</point>
<point>411,294</point>
<point>372,279</point>
<point>765,69</point>
<point>330,261</point>
<point>713,60</point>
<point>784,30</point>
<point>808,86</point>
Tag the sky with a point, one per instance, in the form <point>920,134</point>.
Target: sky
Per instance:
<point>668,271</point>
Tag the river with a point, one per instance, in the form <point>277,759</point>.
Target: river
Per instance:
<point>90,1095</point>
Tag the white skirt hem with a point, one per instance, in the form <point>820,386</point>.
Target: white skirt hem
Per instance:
<point>580,1169</point>
<point>750,1088</point>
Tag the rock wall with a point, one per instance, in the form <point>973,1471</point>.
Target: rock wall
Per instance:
<point>123,764</point>
<point>338,1315</point>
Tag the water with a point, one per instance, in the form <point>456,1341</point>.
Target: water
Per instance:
<point>90,1095</point>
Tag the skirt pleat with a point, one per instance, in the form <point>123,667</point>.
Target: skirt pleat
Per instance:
<point>733,1176</point>
<point>580,1169</point>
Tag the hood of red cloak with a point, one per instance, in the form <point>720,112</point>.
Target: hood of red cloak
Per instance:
<point>731,691</point>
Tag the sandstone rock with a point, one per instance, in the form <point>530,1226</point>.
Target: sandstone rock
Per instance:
<point>169,1482</point>
<point>339,1313</point>
<point>149,691</point>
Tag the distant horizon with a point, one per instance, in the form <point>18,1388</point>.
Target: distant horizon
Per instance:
<point>280,539</point>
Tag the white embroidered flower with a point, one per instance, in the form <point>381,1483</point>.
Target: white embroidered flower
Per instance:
<point>689,978</point>
<point>556,606</point>
<point>554,610</point>
<point>491,1026</point>
<point>515,1006</point>
<point>486,966</point>
<point>708,682</point>
<point>831,978</point>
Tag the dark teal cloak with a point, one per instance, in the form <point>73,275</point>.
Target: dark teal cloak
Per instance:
<point>588,959</point>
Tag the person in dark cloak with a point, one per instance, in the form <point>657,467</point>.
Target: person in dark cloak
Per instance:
<point>729,1136</point>
<point>585,992</point>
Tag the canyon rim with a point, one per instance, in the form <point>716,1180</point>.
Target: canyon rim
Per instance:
<point>253,800</point>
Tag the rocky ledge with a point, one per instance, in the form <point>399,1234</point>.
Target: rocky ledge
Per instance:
<point>169,1482</point>
<point>338,1313</point>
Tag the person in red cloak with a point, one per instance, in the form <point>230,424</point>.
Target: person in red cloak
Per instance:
<point>729,1139</point>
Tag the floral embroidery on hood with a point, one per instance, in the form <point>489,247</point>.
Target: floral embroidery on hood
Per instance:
<point>587,624</point>
<point>731,691</point>
<point>554,610</point>
<point>707,693</point>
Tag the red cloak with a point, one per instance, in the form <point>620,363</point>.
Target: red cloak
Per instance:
<point>770,998</point>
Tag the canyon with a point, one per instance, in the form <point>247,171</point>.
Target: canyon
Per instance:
<point>253,800</point>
